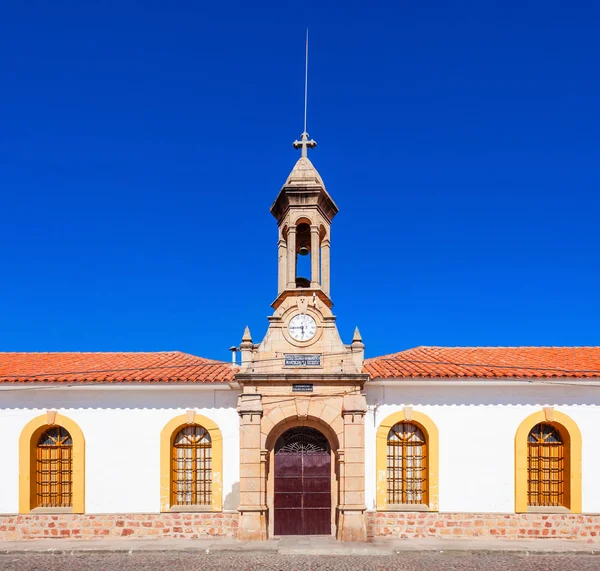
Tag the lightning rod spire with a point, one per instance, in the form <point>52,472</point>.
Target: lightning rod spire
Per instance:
<point>306,81</point>
<point>305,143</point>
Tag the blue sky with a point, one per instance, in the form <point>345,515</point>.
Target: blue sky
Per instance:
<point>142,144</point>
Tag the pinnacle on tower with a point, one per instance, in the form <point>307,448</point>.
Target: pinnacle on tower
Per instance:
<point>247,337</point>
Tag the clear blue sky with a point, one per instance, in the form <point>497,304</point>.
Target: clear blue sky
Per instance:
<point>142,144</point>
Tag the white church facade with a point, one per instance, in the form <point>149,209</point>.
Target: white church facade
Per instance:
<point>300,434</point>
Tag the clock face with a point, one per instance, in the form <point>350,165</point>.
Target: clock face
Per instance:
<point>302,327</point>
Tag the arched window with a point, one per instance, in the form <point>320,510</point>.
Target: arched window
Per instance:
<point>406,465</point>
<point>548,463</point>
<point>191,464</point>
<point>407,460</point>
<point>54,469</point>
<point>52,465</point>
<point>546,467</point>
<point>192,467</point>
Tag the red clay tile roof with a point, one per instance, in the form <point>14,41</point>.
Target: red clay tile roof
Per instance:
<point>171,367</point>
<point>429,362</point>
<point>487,362</point>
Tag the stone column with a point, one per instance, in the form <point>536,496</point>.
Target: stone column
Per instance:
<point>281,265</point>
<point>352,517</point>
<point>325,265</point>
<point>252,509</point>
<point>315,258</point>
<point>291,258</point>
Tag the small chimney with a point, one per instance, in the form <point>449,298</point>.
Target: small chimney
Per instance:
<point>233,350</point>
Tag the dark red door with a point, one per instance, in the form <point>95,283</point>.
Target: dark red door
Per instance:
<point>302,483</point>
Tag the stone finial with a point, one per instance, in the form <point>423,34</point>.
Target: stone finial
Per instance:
<point>246,337</point>
<point>357,347</point>
<point>246,347</point>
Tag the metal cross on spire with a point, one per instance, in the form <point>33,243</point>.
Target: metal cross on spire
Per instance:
<point>305,143</point>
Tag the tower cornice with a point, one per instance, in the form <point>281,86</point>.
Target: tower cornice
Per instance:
<point>302,292</point>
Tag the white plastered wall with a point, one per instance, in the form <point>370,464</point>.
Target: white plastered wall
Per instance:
<point>477,426</point>
<point>121,427</point>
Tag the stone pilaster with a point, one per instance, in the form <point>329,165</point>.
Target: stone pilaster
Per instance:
<point>281,265</point>
<point>315,258</point>
<point>291,258</point>
<point>253,508</point>
<point>325,266</point>
<point>352,521</point>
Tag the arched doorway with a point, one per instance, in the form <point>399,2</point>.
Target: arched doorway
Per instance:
<point>302,491</point>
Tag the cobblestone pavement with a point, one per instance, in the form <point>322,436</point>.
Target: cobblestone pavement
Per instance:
<point>245,562</point>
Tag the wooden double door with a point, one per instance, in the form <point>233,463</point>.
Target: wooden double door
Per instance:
<point>302,490</point>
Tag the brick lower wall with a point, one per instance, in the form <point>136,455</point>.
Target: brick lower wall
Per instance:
<point>469,525</point>
<point>379,524</point>
<point>76,526</point>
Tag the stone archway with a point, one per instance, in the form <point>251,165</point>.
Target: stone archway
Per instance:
<point>311,519</point>
<point>265,417</point>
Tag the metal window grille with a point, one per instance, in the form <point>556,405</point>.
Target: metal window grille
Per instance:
<point>192,467</point>
<point>54,469</point>
<point>545,466</point>
<point>406,465</point>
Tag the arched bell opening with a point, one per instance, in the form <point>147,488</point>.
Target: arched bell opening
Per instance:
<point>303,255</point>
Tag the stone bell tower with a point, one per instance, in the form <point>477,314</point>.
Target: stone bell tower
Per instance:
<point>304,211</point>
<point>302,330</point>
<point>302,384</point>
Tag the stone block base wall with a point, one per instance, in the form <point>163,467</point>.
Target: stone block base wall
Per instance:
<point>471,525</point>
<point>379,524</point>
<point>110,526</point>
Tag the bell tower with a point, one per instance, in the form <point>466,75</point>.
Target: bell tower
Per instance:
<point>302,334</point>
<point>304,211</point>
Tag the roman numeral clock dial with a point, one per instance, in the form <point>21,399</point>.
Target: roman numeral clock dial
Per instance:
<point>302,327</point>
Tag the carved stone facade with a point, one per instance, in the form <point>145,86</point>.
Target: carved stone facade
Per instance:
<point>302,374</point>
<point>336,408</point>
